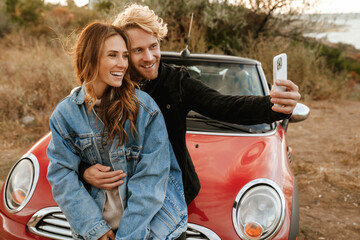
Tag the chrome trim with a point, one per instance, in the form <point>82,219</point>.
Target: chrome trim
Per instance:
<point>263,80</point>
<point>272,132</point>
<point>35,163</point>
<point>253,183</point>
<point>194,232</point>
<point>55,222</point>
<point>205,57</point>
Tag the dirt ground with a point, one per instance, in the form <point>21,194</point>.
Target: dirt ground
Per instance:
<point>326,162</point>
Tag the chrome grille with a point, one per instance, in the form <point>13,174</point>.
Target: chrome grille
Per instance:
<point>51,223</point>
<point>197,232</point>
<point>192,234</point>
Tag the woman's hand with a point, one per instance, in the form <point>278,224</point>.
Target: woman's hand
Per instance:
<point>109,235</point>
<point>100,176</point>
<point>286,100</point>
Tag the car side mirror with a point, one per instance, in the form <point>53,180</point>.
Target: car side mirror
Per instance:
<point>300,113</point>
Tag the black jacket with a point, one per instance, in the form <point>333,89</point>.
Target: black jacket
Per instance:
<point>177,93</point>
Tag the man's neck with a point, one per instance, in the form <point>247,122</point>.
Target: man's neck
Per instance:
<point>136,78</point>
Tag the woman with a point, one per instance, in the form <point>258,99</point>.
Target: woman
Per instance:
<point>108,121</point>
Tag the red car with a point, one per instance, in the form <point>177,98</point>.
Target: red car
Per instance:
<point>248,189</point>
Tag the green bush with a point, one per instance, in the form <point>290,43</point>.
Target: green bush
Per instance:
<point>225,27</point>
<point>105,6</point>
<point>5,24</point>
<point>334,58</point>
<point>25,12</point>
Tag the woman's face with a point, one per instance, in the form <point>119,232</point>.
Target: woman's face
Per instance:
<point>113,63</point>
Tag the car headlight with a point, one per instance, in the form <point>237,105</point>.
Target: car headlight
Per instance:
<point>259,210</point>
<point>20,183</point>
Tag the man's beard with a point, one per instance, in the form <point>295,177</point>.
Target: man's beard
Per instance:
<point>138,73</point>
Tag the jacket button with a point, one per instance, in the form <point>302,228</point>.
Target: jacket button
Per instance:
<point>168,106</point>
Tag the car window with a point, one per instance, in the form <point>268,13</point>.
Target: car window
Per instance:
<point>232,79</point>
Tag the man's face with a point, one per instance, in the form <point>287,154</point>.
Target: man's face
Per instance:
<point>144,54</point>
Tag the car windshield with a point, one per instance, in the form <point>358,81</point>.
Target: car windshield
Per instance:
<point>227,78</point>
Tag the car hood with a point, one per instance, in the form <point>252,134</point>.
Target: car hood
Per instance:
<point>225,164</point>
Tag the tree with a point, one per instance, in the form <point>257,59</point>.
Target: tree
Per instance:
<point>266,17</point>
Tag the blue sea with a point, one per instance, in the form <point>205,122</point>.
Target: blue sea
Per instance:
<point>348,30</point>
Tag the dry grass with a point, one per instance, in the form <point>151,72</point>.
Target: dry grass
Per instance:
<point>34,76</point>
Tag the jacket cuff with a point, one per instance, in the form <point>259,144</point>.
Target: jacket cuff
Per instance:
<point>97,231</point>
<point>286,116</point>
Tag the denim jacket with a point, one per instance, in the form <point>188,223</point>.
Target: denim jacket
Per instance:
<point>152,193</point>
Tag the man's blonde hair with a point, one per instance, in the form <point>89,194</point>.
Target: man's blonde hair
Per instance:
<point>142,17</point>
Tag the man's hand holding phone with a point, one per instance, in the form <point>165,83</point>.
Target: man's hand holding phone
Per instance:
<point>284,93</point>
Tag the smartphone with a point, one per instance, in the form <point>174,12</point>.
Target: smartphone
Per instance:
<point>280,70</point>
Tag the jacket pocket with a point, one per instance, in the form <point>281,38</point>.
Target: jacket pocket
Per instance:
<point>87,149</point>
<point>132,155</point>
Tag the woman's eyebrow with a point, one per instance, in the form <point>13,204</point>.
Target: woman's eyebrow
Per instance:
<point>113,50</point>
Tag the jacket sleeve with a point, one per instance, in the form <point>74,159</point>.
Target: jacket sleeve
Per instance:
<point>147,187</point>
<point>80,209</point>
<point>236,109</point>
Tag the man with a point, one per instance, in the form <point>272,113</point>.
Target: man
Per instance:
<point>177,93</point>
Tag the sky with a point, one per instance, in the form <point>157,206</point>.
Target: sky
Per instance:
<point>336,6</point>
<point>321,6</point>
<point>78,2</point>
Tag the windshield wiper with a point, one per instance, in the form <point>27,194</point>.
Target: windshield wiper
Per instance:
<point>220,124</point>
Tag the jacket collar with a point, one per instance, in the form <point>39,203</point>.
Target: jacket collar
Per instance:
<point>160,70</point>
<point>81,94</point>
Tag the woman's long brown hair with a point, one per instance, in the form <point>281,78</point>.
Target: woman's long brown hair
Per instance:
<point>118,103</point>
